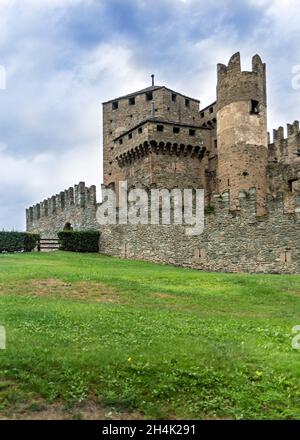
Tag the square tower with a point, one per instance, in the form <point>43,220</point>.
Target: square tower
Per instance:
<point>121,116</point>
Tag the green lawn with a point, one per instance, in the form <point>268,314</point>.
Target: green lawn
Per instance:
<point>158,340</point>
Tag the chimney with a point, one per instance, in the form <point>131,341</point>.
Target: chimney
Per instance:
<point>152,76</point>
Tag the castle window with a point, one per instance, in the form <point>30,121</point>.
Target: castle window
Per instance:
<point>202,115</point>
<point>211,110</point>
<point>160,128</point>
<point>130,136</point>
<point>187,102</point>
<point>131,101</point>
<point>291,183</point>
<point>149,96</point>
<point>192,132</point>
<point>115,105</point>
<point>216,143</point>
<point>254,107</point>
<point>121,141</point>
<point>176,130</point>
<point>140,130</point>
<point>174,96</point>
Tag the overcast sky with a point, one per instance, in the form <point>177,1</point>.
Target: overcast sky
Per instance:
<point>64,57</point>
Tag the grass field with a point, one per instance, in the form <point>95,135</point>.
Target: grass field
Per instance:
<point>88,333</point>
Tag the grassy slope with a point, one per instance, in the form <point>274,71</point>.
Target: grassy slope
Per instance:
<point>162,340</point>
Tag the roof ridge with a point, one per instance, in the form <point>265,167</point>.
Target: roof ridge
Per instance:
<point>138,92</point>
<point>149,89</point>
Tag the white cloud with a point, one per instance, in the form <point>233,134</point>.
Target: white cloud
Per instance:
<point>69,102</point>
<point>42,3</point>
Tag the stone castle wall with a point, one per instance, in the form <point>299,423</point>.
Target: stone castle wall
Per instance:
<point>231,242</point>
<point>284,160</point>
<point>286,149</point>
<point>76,206</point>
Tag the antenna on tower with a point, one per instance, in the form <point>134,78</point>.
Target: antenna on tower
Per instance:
<point>152,76</point>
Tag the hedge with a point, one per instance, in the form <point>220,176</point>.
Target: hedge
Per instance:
<point>18,241</point>
<point>79,241</point>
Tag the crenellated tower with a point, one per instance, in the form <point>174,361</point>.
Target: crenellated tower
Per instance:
<point>242,130</point>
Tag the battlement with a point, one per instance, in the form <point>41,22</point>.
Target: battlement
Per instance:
<point>292,130</point>
<point>160,137</point>
<point>280,204</point>
<point>236,85</point>
<point>146,148</point>
<point>78,196</point>
<point>285,147</point>
<point>234,66</point>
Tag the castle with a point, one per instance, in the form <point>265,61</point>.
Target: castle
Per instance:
<point>158,138</point>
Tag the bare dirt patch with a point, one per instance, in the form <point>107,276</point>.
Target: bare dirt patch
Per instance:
<point>52,287</point>
<point>163,295</point>
<point>57,411</point>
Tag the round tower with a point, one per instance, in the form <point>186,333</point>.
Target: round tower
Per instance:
<point>242,130</point>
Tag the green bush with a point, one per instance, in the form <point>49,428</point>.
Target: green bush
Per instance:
<point>79,241</point>
<point>18,241</point>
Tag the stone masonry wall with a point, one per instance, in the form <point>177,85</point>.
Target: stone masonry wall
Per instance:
<point>163,158</point>
<point>284,160</point>
<point>242,130</point>
<point>126,116</point>
<point>232,242</point>
<point>76,206</point>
